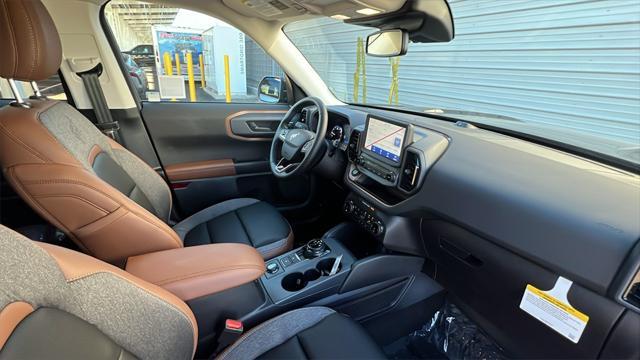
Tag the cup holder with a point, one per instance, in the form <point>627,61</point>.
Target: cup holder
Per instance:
<point>325,266</point>
<point>298,280</point>
<point>312,274</point>
<point>294,282</point>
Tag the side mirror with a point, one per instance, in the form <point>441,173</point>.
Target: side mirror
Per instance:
<point>388,43</point>
<point>271,90</point>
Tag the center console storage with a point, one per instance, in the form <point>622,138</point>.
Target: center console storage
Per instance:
<point>197,271</point>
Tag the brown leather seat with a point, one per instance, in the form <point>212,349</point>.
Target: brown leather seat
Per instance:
<point>111,203</point>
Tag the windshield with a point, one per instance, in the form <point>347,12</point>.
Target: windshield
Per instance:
<point>568,71</point>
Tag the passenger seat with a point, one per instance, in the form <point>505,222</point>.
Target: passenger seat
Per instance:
<point>56,303</point>
<point>106,199</point>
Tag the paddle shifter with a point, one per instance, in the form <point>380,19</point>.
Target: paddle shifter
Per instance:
<point>314,248</point>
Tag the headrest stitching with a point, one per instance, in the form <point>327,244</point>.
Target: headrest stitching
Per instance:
<point>13,36</point>
<point>34,43</point>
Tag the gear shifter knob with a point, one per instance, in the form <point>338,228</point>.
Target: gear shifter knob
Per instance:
<point>314,248</point>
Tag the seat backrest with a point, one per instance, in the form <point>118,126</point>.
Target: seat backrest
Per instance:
<point>111,203</point>
<point>58,303</point>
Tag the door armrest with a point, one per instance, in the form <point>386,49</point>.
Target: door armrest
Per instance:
<point>196,271</point>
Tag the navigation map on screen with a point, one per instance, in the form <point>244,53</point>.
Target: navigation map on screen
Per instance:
<point>385,139</point>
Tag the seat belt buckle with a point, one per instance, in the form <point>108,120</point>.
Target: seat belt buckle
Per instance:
<point>233,326</point>
<point>233,329</point>
<point>109,126</point>
<point>110,129</point>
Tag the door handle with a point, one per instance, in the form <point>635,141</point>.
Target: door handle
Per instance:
<point>259,128</point>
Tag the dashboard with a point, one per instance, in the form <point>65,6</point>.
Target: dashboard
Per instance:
<point>474,200</point>
<point>461,172</point>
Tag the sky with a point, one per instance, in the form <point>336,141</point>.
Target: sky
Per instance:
<point>195,20</point>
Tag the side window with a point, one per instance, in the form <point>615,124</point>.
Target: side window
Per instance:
<point>51,88</point>
<point>174,54</point>
<point>5,92</point>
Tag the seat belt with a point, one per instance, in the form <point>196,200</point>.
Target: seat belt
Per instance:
<point>91,81</point>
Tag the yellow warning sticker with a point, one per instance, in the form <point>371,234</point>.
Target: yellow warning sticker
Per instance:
<point>553,309</point>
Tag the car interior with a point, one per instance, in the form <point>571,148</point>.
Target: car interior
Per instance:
<point>161,213</point>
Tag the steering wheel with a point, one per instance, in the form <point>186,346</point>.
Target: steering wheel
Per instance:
<point>295,147</point>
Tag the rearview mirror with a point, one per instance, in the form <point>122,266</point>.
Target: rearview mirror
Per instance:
<point>271,90</point>
<point>388,43</point>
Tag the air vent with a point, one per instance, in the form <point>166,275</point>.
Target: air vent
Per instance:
<point>411,172</point>
<point>352,151</point>
<point>632,296</point>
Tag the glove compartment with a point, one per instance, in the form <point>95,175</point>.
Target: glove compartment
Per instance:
<point>488,283</point>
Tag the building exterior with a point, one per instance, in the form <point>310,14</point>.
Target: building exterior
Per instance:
<point>514,58</point>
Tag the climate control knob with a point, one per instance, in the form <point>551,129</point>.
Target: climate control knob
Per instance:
<point>348,207</point>
<point>376,228</point>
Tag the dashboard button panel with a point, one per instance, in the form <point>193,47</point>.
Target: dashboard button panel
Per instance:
<point>364,215</point>
<point>384,174</point>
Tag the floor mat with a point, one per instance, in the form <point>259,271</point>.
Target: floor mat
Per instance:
<point>448,335</point>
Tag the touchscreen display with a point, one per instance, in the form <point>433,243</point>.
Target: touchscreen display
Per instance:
<point>385,139</point>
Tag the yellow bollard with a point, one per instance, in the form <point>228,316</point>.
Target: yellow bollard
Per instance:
<point>192,83</point>
<point>178,66</point>
<point>168,67</point>
<point>227,79</point>
<point>202,83</point>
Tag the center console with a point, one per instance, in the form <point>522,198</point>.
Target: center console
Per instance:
<point>232,281</point>
<point>318,267</point>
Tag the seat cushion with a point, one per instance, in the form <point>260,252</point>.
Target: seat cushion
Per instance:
<point>246,221</point>
<point>307,333</point>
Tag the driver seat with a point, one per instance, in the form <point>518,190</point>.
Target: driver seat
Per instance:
<point>107,200</point>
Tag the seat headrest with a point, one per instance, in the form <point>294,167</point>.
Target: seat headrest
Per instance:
<point>31,49</point>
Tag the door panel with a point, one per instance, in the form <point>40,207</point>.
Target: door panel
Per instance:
<point>212,152</point>
<point>187,132</point>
